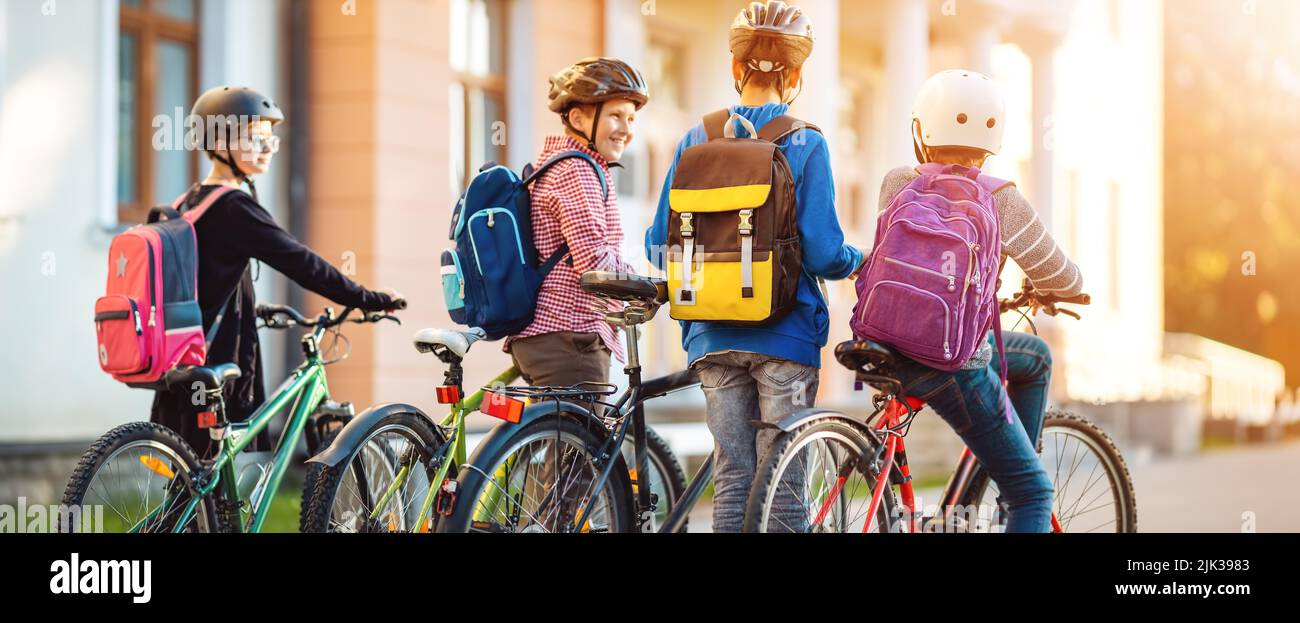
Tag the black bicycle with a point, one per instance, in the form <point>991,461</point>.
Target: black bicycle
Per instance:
<point>558,466</point>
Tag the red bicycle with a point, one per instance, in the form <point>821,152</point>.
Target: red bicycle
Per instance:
<point>831,472</point>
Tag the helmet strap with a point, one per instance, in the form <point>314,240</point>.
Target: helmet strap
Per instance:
<point>918,146</point>
<point>595,127</point>
<point>230,161</point>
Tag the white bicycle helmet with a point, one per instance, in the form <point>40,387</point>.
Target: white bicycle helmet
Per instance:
<point>959,108</point>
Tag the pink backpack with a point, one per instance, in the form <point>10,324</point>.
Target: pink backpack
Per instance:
<point>930,287</point>
<point>149,320</point>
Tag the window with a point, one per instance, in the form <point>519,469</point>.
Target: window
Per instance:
<point>664,72</point>
<point>157,74</point>
<point>478,91</point>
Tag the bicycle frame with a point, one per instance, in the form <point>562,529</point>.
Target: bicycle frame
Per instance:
<point>892,454</point>
<point>452,451</point>
<point>303,392</point>
<point>634,417</point>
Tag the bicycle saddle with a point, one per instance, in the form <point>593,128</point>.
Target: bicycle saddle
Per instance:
<point>855,355</point>
<point>211,378</point>
<point>456,342</point>
<point>624,287</point>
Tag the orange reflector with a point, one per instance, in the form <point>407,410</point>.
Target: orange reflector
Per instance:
<point>502,407</point>
<point>207,419</point>
<point>158,467</point>
<point>448,394</point>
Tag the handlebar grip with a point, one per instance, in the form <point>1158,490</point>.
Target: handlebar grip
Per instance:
<point>1078,299</point>
<point>399,304</point>
<point>270,310</point>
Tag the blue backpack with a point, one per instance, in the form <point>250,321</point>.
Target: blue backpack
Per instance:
<point>491,276</point>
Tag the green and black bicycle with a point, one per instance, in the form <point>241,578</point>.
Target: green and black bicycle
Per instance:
<point>378,474</point>
<point>148,479</point>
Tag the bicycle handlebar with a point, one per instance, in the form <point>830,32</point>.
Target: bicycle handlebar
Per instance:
<point>274,317</point>
<point>1028,296</point>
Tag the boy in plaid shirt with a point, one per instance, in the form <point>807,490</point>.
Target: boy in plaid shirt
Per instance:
<point>569,341</point>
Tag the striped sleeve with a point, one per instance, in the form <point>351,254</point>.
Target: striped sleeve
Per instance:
<point>1026,240</point>
<point>1024,237</point>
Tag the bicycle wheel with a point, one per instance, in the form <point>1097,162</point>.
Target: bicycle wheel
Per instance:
<point>667,479</point>
<point>539,480</point>
<point>1094,491</point>
<point>812,480</point>
<point>139,477</point>
<point>381,485</point>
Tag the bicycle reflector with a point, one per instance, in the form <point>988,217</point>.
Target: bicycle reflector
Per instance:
<point>502,407</point>
<point>207,419</point>
<point>448,394</point>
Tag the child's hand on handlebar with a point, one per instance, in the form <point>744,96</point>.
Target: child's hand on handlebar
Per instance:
<point>398,301</point>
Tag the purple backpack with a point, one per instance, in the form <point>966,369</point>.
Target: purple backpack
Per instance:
<point>930,287</point>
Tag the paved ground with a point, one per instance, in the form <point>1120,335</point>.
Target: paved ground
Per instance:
<point>1226,490</point>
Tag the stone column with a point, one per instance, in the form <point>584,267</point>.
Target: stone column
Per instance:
<point>907,60</point>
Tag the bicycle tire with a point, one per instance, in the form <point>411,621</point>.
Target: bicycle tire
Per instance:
<point>473,483</point>
<point>664,461</point>
<point>323,482</point>
<point>1117,470</point>
<point>853,436</point>
<point>140,434</point>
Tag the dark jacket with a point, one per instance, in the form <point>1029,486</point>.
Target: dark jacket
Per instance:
<point>233,231</point>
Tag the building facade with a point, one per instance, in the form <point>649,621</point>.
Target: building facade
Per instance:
<point>393,104</point>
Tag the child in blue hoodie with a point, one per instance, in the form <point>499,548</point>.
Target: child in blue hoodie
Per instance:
<point>768,372</point>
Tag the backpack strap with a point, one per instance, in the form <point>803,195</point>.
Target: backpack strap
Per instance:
<point>993,184</point>
<point>565,155</point>
<point>563,250</point>
<point>1002,358</point>
<point>715,123</point>
<point>779,128</point>
<point>192,215</point>
<point>236,296</point>
<point>549,265</point>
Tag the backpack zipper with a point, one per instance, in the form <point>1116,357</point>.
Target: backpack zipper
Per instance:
<point>152,285</point>
<point>950,217</point>
<point>135,314</point>
<point>952,279</point>
<point>862,311</point>
<point>489,212</point>
<point>969,245</point>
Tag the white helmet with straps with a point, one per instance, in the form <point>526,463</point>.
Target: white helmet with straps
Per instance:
<point>959,108</point>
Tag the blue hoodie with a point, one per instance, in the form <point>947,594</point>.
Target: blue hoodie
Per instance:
<point>799,335</point>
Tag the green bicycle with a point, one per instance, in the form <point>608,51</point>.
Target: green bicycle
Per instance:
<point>149,479</point>
<point>378,474</point>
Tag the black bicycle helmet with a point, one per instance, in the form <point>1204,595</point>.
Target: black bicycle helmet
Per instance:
<point>217,106</point>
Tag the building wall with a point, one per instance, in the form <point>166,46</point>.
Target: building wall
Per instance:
<point>58,167</point>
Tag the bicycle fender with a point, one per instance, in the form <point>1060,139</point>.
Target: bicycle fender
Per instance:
<point>803,416</point>
<point>500,434</point>
<point>355,431</point>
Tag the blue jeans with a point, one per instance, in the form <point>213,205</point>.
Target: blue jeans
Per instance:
<point>741,388</point>
<point>971,402</point>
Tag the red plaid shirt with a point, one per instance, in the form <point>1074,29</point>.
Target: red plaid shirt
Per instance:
<point>568,207</point>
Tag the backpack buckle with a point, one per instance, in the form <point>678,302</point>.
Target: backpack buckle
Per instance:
<point>746,222</point>
<point>687,230</point>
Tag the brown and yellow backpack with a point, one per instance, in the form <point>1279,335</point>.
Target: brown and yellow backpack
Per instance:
<point>734,254</point>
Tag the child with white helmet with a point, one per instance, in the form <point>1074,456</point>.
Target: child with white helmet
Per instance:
<point>958,119</point>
